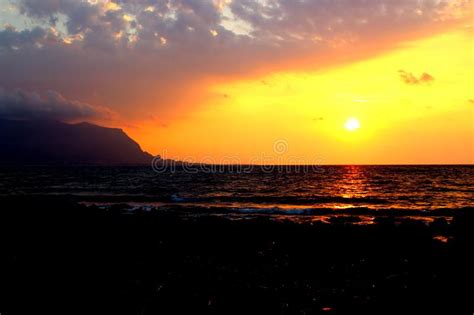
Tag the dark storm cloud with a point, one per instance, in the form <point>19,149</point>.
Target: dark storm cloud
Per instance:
<point>411,79</point>
<point>19,104</point>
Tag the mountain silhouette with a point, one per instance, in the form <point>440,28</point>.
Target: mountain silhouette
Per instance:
<point>57,143</point>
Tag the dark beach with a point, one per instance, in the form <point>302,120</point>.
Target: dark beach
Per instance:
<point>60,257</point>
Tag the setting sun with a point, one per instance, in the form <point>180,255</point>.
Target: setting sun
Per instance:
<point>352,124</point>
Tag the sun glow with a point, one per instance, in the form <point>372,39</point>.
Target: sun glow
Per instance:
<point>352,124</point>
<point>393,116</point>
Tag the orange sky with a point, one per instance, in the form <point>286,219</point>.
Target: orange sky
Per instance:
<point>417,122</point>
<point>263,81</point>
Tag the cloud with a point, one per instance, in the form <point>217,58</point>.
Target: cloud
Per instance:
<point>411,79</point>
<point>19,104</point>
<point>145,53</point>
<point>12,40</point>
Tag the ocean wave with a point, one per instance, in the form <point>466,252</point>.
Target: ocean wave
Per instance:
<point>356,211</point>
<point>285,200</point>
<point>209,200</point>
<point>255,209</point>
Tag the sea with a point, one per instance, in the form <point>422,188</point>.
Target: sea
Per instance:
<point>359,194</point>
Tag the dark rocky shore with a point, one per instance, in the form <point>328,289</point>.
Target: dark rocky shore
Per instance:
<point>59,257</point>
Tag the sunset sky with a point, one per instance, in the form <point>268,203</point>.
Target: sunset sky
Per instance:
<point>251,81</point>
